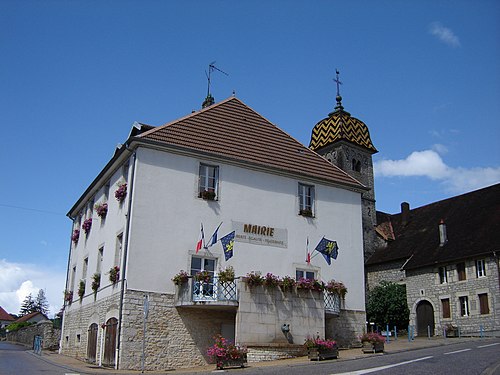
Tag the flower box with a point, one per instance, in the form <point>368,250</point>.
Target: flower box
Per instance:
<point>372,347</point>
<point>317,354</point>
<point>306,213</point>
<point>236,362</point>
<point>102,210</point>
<point>208,195</point>
<point>121,192</point>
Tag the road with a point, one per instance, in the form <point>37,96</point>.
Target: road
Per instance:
<point>471,358</point>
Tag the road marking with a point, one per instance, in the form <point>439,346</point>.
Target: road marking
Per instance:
<point>485,346</point>
<point>367,371</point>
<point>457,351</point>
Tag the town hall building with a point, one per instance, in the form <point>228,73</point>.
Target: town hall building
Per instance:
<point>158,209</point>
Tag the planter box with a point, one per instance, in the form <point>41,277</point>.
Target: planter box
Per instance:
<point>315,354</point>
<point>452,333</point>
<point>240,362</point>
<point>369,347</point>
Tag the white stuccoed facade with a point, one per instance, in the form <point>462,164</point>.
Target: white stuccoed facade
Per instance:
<point>159,225</point>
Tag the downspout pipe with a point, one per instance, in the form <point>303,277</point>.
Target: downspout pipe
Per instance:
<point>66,288</point>
<point>125,253</point>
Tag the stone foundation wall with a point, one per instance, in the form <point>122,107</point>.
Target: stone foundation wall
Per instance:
<point>77,320</point>
<point>45,329</point>
<point>346,328</point>
<point>175,337</point>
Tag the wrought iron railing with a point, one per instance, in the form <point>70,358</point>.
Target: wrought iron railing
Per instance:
<point>214,290</point>
<point>332,303</point>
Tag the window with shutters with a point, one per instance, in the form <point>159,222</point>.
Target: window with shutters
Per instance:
<point>461,271</point>
<point>445,305</point>
<point>484,308</point>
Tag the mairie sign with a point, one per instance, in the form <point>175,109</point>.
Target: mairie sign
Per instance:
<point>264,235</point>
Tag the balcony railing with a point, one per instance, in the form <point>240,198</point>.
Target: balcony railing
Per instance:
<point>214,290</point>
<point>332,303</point>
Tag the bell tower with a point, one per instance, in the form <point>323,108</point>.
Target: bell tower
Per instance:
<point>345,142</point>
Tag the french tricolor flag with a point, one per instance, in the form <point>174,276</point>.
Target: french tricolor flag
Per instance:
<point>200,242</point>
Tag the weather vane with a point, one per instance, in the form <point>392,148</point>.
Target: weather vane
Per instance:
<point>337,80</point>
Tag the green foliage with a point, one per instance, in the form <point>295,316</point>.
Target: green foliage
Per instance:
<point>15,326</point>
<point>28,306</point>
<point>386,304</point>
<point>41,303</point>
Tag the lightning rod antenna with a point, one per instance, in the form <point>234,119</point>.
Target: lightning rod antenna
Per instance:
<point>209,100</point>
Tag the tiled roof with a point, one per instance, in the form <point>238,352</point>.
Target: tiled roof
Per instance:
<point>340,125</point>
<point>27,317</point>
<point>4,315</point>
<point>232,130</point>
<point>472,225</point>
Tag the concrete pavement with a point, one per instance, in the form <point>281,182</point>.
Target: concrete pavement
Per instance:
<point>76,366</point>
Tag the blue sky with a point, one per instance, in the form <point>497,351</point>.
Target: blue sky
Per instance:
<point>74,75</point>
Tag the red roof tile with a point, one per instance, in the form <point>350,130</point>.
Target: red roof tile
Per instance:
<point>4,315</point>
<point>234,131</point>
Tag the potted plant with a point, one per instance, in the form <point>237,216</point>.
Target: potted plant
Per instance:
<point>114,274</point>
<point>310,284</point>
<point>101,209</point>
<point>253,279</point>
<point>336,287</point>
<point>226,354</point>
<point>75,236</point>
<point>287,283</point>
<point>226,275</point>
<point>181,278</point>
<point>203,276</point>
<point>208,195</point>
<point>68,296</point>
<point>96,282</point>
<point>81,289</point>
<point>271,281</point>
<point>87,224</point>
<point>306,212</point>
<point>451,330</point>
<point>121,192</point>
<point>372,342</point>
<point>318,349</point>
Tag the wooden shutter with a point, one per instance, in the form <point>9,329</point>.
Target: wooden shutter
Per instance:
<point>483,304</point>
<point>446,308</point>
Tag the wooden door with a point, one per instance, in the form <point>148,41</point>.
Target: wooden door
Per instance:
<point>425,318</point>
<point>110,342</point>
<point>92,343</point>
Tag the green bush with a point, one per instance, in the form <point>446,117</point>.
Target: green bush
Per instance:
<point>386,304</point>
<point>16,326</point>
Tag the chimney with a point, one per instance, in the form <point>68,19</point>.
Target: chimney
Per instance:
<point>405,213</point>
<point>443,239</point>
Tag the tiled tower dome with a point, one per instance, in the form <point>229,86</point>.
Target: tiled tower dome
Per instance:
<point>340,125</point>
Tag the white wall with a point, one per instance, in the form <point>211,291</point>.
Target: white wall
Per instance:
<point>166,216</point>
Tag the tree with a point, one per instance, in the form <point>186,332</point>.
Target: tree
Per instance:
<point>41,303</point>
<point>27,306</point>
<point>386,304</point>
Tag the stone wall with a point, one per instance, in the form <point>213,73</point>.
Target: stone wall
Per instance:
<point>262,312</point>
<point>44,328</point>
<point>260,353</point>
<point>390,271</point>
<point>346,328</point>
<point>175,337</point>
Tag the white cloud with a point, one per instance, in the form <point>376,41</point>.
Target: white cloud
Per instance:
<point>17,280</point>
<point>428,163</point>
<point>444,34</point>
<point>440,149</point>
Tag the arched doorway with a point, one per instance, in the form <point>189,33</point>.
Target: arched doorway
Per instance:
<point>110,342</point>
<point>92,343</point>
<point>425,318</point>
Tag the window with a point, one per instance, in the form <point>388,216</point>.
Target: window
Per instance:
<point>208,181</point>
<point>199,264</point>
<point>304,274</point>
<point>106,191</point>
<point>443,275</point>
<point>85,268</point>
<point>306,200</point>
<point>464,306</point>
<point>118,249</point>
<point>461,271</point>
<point>100,256</point>
<point>356,165</point>
<point>73,277</point>
<point>445,305</point>
<point>480,268</point>
<point>125,171</point>
<point>484,308</point>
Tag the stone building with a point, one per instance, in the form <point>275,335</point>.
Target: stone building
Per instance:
<point>137,224</point>
<point>447,255</point>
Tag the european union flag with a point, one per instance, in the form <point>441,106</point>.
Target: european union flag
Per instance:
<point>328,248</point>
<point>227,244</point>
